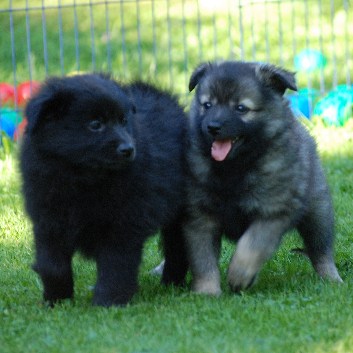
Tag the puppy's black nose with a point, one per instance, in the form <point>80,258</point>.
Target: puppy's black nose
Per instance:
<point>126,150</point>
<point>214,127</point>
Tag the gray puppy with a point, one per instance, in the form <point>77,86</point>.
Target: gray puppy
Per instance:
<point>255,175</point>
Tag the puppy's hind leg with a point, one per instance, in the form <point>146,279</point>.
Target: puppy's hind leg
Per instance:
<point>317,231</point>
<point>176,262</point>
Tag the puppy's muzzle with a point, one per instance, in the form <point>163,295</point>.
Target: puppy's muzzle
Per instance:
<point>214,128</point>
<point>126,151</point>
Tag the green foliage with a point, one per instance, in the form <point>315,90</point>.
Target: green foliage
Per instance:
<point>288,310</point>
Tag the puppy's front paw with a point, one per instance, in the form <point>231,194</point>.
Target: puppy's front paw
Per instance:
<point>240,278</point>
<point>208,286</point>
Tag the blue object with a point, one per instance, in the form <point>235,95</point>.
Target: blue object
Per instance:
<point>309,60</point>
<point>303,102</point>
<point>336,108</point>
<point>8,121</point>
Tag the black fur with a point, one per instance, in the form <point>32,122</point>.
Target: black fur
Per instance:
<point>103,169</point>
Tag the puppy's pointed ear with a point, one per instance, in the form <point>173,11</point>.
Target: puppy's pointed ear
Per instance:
<point>48,104</point>
<point>198,73</point>
<point>276,78</point>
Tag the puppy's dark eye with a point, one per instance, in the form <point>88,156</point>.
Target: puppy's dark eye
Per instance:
<point>133,109</point>
<point>240,108</point>
<point>96,126</point>
<point>207,105</point>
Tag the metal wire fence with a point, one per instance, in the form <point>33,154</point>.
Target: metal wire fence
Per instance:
<point>163,40</point>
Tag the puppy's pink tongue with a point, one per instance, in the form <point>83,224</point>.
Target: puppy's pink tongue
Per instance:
<point>220,149</point>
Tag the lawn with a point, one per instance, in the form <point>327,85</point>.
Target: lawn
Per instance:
<point>288,310</point>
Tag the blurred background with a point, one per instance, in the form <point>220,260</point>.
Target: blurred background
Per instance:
<point>162,41</point>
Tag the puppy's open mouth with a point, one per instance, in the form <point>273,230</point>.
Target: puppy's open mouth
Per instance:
<point>221,148</point>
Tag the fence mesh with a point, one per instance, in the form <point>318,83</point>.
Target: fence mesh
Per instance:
<point>163,40</point>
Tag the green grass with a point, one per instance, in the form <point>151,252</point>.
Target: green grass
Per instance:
<point>288,310</point>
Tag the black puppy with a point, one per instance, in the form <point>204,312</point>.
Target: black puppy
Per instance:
<point>102,168</point>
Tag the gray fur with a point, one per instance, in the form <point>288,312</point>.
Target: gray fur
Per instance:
<point>270,182</point>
